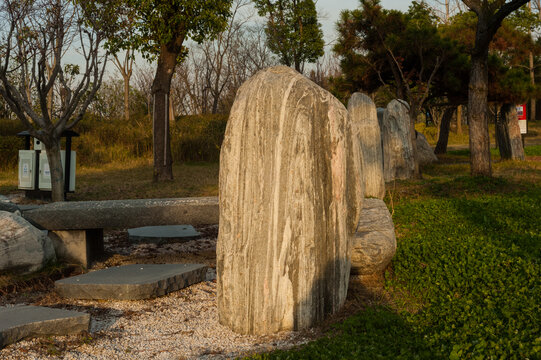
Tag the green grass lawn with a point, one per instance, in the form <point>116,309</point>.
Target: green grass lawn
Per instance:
<point>465,281</point>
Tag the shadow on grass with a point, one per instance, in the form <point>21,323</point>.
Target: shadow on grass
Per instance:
<point>376,333</point>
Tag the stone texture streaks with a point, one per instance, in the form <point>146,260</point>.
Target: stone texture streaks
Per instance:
<point>425,154</point>
<point>398,158</point>
<point>286,211</point>
<point>364,120</point>
<point>23,248</point>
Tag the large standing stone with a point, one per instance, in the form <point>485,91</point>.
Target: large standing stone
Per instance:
<point>425,154</point>
<point>398,157</point>
<point>373,245</point>
<point>23,248</point>
<point>363,116</point>
<point>290,197</point>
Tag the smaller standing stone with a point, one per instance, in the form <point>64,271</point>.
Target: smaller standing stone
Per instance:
<point>398,157</point>
<point>508,135</point>
<point>23,248</point>
<point>425,154</point>
<point>373,246</point>
<point>364,120</point>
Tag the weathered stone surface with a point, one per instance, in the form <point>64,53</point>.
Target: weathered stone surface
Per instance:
<point>398,158</point>
<point>290,197</point>
<point>6,205</point>
<point>78,246</point>
<point>124,214</point>
<point>131,282</point>
<point>373,246</point>
<point>425,154</point>
<point>23,321</point>
<point>363,116</point>
<point>508,135</point>
<point>374,243</point>
<point>23,248</point>
<point>163,234</point>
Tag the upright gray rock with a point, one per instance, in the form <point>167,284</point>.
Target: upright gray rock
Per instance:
<point>364,119</point>
<point>290,197</point>
<point>373,246</point>
<point>398,158</point>
<point>23,248</point>
<point>425,154</point>
<point>508,135</point>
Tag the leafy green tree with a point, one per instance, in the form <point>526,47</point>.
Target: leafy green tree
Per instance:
<point>293,31</point>
<point>490,15</point>
<point>159,31</point>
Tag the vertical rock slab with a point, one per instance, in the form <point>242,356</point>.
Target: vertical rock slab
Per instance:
<point>364,119</point>
<point>398,156</point>
<point>290,198</point>
<point>425,154</point>
<point>508,135</point>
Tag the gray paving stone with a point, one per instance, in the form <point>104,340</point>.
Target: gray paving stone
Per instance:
<point>131,282</point>
<point>25,321</point>
<point>164,234</point>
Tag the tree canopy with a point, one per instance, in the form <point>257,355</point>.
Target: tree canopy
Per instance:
<point>293,31</point>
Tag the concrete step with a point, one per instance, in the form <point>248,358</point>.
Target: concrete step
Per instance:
<point>25,321</point>
<point>131,282</point>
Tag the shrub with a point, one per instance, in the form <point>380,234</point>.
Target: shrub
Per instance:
<point>198,137</point>
<point>10,144</point>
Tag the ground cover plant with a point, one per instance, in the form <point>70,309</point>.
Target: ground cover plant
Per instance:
<point>465,282</point>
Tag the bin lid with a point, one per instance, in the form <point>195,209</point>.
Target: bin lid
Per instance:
<point>65,133</point>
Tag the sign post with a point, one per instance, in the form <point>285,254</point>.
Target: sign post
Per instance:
<point>522,120</point>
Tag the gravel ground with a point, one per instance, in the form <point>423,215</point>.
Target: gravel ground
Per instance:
<point>181,325</point>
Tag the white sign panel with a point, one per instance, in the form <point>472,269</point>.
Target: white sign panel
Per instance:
<point>522,124</point>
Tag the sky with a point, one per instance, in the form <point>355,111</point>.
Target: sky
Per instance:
<point>330,11</point>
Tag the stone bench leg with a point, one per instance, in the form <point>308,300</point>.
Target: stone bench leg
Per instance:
<point>80,246</point>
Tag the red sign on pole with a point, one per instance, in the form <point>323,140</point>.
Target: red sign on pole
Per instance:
<point>522,121</point>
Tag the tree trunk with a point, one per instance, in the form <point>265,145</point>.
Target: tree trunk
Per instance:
<point>52,147</point>
<point>443,138</point>
<point>161,85</point>
<point>477,116</point>
<point>126,98</point>
<point>459,120</point>
<point>532,79</point>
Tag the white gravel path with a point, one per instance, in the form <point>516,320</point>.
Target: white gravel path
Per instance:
<point>180,325</point>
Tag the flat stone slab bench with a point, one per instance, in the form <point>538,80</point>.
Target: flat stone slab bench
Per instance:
<point>131,282</point>
<point>20,322</point>
<point>76,227</point>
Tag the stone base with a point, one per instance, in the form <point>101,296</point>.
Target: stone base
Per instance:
<point>131,282</point>
<point>367,285</point>
<point>20,322</point>
<point>80,246</point>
